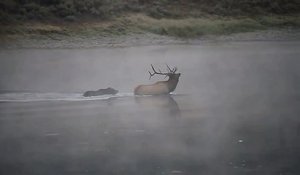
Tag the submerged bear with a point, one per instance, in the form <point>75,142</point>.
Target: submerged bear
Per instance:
<point>107,91</point>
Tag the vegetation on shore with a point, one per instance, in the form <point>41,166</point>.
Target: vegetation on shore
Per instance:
<point>180,18</point>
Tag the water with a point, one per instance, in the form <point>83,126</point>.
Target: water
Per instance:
<point>35,97</point>
<point>235,110</point>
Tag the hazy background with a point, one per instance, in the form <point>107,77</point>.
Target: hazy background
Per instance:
<point>235,111</point>
<point>237,67</point>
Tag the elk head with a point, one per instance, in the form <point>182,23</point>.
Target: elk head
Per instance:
<point>160,87</point>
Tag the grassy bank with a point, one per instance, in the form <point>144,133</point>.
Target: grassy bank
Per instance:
<point>189,27</point>
<point>72,10</point>
<point>213,25</point>
<point>179,18</point>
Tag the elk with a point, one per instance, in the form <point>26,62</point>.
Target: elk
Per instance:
<point>160,87</point>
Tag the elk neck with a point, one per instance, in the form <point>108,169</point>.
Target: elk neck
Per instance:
<point>172,82</point>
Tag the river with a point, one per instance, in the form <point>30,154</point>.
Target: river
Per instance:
<point>235,110</point>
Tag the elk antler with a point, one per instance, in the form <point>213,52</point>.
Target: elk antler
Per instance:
<point>170,71</point>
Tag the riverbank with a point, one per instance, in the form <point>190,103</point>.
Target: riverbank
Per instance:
<point>139,29</point>
<point>45,42</point>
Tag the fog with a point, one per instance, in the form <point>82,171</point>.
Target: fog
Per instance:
<point>211,67</point>
<point>235,111</point>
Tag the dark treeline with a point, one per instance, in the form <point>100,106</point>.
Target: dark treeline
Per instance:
<point>16,10</point>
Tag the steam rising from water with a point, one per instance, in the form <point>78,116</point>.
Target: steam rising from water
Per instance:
<point>239,114</point>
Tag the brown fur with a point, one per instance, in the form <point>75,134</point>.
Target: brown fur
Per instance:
<point>158,88</point>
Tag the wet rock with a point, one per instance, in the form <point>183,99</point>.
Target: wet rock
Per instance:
<point>107,91</point>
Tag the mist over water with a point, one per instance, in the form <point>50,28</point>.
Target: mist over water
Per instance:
<point>206,67</point>
<point>235,110</point>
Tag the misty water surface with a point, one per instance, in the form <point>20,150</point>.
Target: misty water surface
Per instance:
<point>235,111</point>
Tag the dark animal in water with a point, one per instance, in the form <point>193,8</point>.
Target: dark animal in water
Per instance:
<point>107,91</point>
